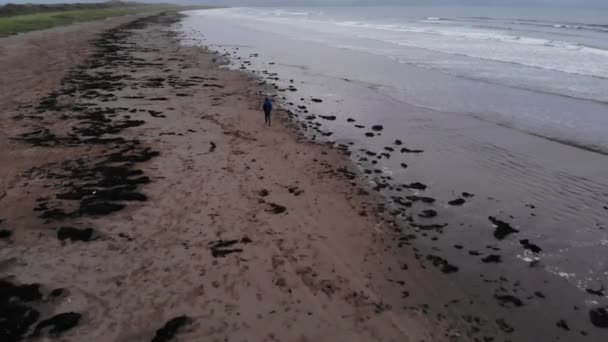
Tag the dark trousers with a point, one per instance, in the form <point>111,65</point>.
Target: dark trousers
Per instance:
<point>267,117</point>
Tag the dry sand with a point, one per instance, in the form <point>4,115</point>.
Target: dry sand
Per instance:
<point>250,233</point>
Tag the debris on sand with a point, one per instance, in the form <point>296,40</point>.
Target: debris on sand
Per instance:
<point>58,323</point>
<point>276,208</point>
<point>170,329</point>
<point>296,191</point>
<point>16,316</point>
<point>219,248</point>
<point>502,228</point>
<point>74,234</point>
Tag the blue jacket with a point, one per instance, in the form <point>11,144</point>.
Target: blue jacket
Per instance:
<point>267,105</point>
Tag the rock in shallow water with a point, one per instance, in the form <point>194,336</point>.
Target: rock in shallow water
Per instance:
<point>502,228</point>
<point>599,317</point>
<point>428,213</point>
<point>458,201</point>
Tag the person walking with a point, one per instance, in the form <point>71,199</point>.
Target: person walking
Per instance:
<point>267,109</point>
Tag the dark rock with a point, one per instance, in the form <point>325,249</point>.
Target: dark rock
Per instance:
<point>212,147</point>
<point>170,329</point>
<point>416,186</point>
<point>398,142</point>
<point>507,300</point>
<point>99,208</point>
<point>530,246</point>
<point>57,292</point>
<point>24,293</point>
<point>276,208</point>
<point>369,134</point>
<point>263,193</point>
<point>74,234</point>
<point>599,292</point>
<point>57,214</point>
<point>219,249</point>
<point>422,199</point>
<point>15,321</point>
<point>442,263</point>
<point>5,234</point>
<point>599,317</point>
<point>502,325</point>
<point>429,226</point>
<point>429,213</point>
<point>316,100</point>
<point>328,117</point>
<point>407,150</point>
<point>458,201</point>
<point>16,317</point>
<point>350,120</point>
<point>562,324</point>
<point>467,195</point>
<point>401,202</point>
<point>377,127</point>
<point>58,323</point>
<point>502,228</point>
<point>404,165</point>
<point>492,258</point>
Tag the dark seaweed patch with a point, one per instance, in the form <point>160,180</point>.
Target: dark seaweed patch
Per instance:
<point>170,329</point>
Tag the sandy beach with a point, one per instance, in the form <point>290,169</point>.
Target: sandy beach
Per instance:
<point>143,199</point>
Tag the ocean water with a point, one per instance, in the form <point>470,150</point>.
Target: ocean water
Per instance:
<point>562,53</point>
<point>510,104</point>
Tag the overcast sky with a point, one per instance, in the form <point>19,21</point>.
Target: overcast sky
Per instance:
<point>536,3</point>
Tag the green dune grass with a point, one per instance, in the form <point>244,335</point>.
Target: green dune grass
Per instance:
<point>38,21</point>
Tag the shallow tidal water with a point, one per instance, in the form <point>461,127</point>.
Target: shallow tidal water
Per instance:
<point>490,134</point>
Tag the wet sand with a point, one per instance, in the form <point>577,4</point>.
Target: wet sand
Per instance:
<point>142,199</point>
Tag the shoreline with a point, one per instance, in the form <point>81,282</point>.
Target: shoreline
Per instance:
<point>529,268</point>
<point>209,220</point>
